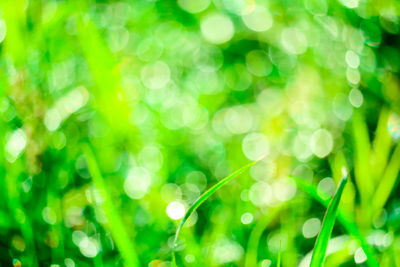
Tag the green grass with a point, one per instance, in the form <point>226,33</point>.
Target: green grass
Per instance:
<point>344,218</point>
<point>318,256</point>
<point>112,110</point>
<point>203,198</point>
<point>114,221</point>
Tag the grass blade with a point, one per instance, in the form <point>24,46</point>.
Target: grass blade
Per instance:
<point>118,230</point>
<point>203,198</point>
<point>255,236</point>
<point>362,158</point>
<point>337,162</point>
<point>345,219</point>
<point>381,145</point>
<point>278,264</point>
<point>321,244</point>
<point>388,180</point>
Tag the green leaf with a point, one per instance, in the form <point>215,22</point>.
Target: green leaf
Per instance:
<point>203,198</point>
<point>345,219</point>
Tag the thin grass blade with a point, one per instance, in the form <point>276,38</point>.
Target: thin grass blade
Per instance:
<point>337,161</point>
<point>203,198</point>
<point>321,244</point>
<point>345,219</point>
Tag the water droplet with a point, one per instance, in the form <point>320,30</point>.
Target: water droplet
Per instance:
<point>175,210</point>
<point>217,28</point>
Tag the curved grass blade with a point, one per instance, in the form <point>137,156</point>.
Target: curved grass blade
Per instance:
<point>321,244</point>
<point>117,228</point>
<point>203,198</point>
<point>344,218</point>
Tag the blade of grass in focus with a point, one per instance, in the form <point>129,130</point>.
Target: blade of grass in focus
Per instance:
<point>118,231</point>
<point>324,235</point>
<point>345,219</point>
<point>203,198</point>
<point>337,161</point>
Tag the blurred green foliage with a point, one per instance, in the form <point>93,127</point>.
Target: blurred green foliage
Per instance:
<point>115,116</point>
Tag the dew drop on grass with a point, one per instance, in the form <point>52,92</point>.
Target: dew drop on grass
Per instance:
<point>225,251</point>
<point>394,126</point>
<point>246,218</point>
<point>89,247</point>
<point>321,143</point>
<point>356,98</point>
<point>260,194</point>
<point>284,189</point>
<point>350,3</point>
<point>265,263</point>
<point>175,210</point>
<point>353,76</point>
<point>155,75</point>
<point>342,107</point>
<point>69,262</point>
<point>255,146</point>
<point>359,256</point>
<point>258,63</point>
<point>326,187</point>
<point>16,143</point>
<point>138,183</point>
<point>78,236</point>
<point>49,215</point>
<point>217,28</point>
<point>190,258</point>
<point>258,19</point>
<point>304,172</point>
<point>352,59</point>
<point>197,178</point>
<point>238,120</point>
<point>3,30</point>
<point>194,6</point>
<point>277,242</point>
<point>311,227</point>
<point>170,192</point>
<point>316,7</point>
<point>294,41</point>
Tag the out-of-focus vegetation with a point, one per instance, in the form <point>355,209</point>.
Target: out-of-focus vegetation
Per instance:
<point>115,116</point>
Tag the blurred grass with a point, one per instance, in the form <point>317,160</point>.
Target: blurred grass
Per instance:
<point>345,219</point>
<point>170,97</point>
<point>114,222</point>
<point>203,198</point>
